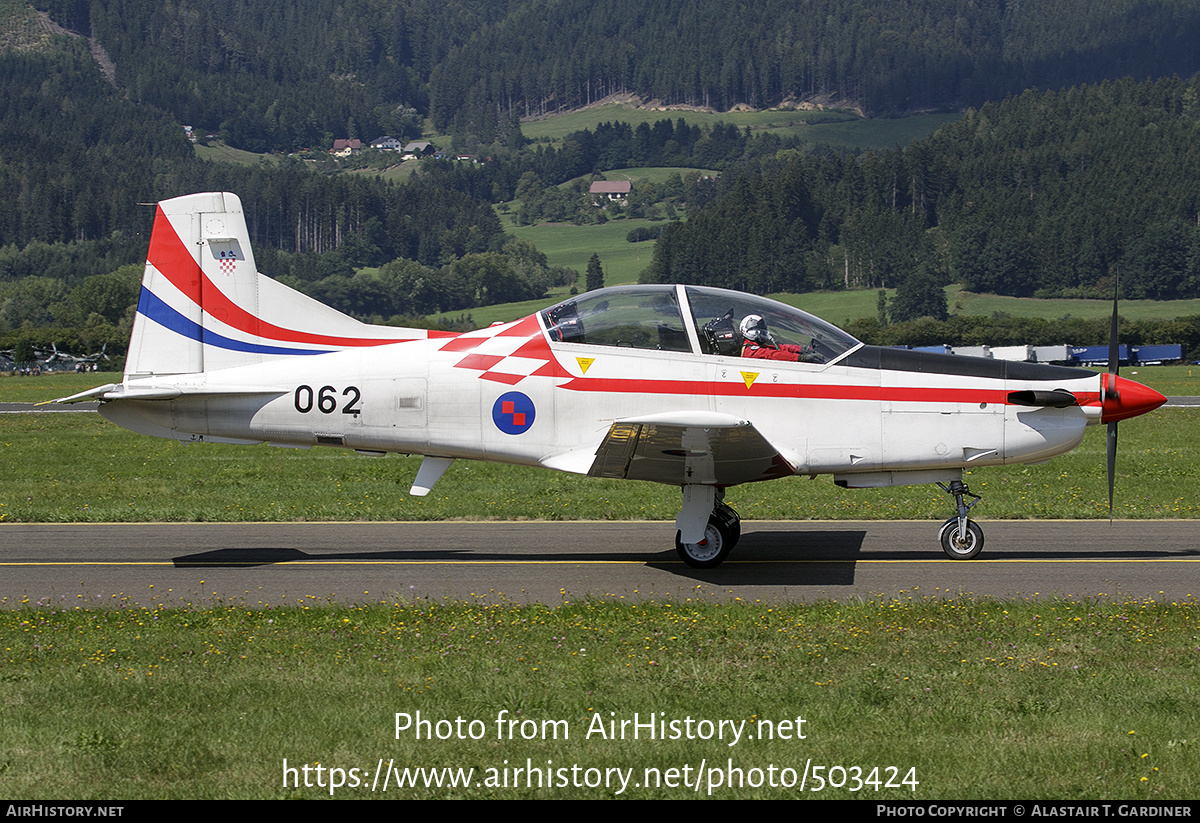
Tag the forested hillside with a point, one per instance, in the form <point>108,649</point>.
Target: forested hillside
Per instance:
<point>1047,193</point>
<point>887,56</point>
<point>272,76</point>
<point>1044,193</point>
<point>81,166</point>
<point>280,76</point>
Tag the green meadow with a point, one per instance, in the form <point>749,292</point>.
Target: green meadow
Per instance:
<point>558,126</point>
<point>569,245</point>
<point>218,152</point>
<point>80,468</point>
<point>831,127</point>
<point>907,698</point>
<point>1040,699</point>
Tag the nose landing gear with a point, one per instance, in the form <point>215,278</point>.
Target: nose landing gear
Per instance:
<point>961,538</point>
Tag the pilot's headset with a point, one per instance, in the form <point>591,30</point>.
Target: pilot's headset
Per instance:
<point>754,329</point>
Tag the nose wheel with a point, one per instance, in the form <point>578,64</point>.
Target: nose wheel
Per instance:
<point>720,536</point>
<point>958,543</point>
<point>961,537</point>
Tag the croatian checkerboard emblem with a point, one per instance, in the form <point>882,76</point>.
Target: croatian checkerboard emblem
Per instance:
<point>513,413</point>
<point>227,258</point>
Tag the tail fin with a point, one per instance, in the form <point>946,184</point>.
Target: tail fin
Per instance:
<point>204,306</point>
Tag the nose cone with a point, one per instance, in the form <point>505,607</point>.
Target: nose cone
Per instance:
<point>1128,400</point>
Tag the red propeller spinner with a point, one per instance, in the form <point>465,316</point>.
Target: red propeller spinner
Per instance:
<point>1122,398</point>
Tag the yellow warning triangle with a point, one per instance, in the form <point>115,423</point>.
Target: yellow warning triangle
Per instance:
<point>749,377</point>
<point>585,363</point>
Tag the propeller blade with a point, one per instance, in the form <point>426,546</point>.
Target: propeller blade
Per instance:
<point>1114,347</point>
<point>1111,449</point>
<point>1114,366</point>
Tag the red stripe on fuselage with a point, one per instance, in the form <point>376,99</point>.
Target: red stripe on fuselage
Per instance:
<point>897,394</point>
<point>171,257</point>
<point>537,347</point>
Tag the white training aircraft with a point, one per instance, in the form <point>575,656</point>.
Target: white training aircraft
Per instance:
<point>636,382</point>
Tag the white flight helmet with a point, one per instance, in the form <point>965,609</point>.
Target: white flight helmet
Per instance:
<point>754,329</point>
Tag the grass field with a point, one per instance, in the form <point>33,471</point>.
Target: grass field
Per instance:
<point>558,126</point>
<point>396,173</point>
<point>565,244</point>
<point>948,699</point>
<point>835,128</point>
<point>572,246</point>
<point>217,152</point>
<point>653,174</point>
<point>969,303</point>
<point>917,697</point>
<point>80,468</point>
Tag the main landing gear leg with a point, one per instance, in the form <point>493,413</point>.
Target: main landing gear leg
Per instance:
<point>721,533</point>
<point>961,539</point>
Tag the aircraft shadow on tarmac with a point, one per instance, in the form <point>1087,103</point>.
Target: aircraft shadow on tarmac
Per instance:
<point>796,557</point>
<point>824,558</point>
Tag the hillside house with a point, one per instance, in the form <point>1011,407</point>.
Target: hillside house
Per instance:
<point>419,148</point>
<point>387,143</point>
<point>607,190</point>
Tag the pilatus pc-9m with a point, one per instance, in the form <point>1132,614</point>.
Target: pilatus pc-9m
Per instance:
<point>658,383</point>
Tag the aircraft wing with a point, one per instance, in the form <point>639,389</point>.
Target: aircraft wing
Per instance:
<point>682,448</point>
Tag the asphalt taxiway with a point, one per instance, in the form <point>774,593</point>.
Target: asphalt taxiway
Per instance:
<point>774,562</point>
<point>547,562</point>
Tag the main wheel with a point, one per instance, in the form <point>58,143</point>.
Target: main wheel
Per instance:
<point>731,518</point>
<point>719,539</point>
<point>957,546</point>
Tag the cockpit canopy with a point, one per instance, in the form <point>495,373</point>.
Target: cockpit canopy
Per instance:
<point>659,317</point>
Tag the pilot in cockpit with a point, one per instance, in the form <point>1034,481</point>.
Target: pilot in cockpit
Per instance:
<point>757,342</point>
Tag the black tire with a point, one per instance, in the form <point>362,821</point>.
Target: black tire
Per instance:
<point>710,552</point>
<point>732,519</point>
<point>957,549</point>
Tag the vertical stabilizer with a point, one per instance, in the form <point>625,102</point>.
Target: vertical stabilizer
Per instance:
<point>204,306</point>
<point>166,332</point>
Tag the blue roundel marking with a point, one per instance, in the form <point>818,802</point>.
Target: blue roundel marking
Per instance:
<point>513,413</point>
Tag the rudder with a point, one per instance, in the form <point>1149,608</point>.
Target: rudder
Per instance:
<point>204,306</point>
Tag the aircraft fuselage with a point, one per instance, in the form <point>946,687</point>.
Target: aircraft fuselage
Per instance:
<point>912,411</point>
<point>692,386</point>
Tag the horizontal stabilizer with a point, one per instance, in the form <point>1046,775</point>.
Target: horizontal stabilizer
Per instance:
<point>90,394</point>
<point>133,391</point>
